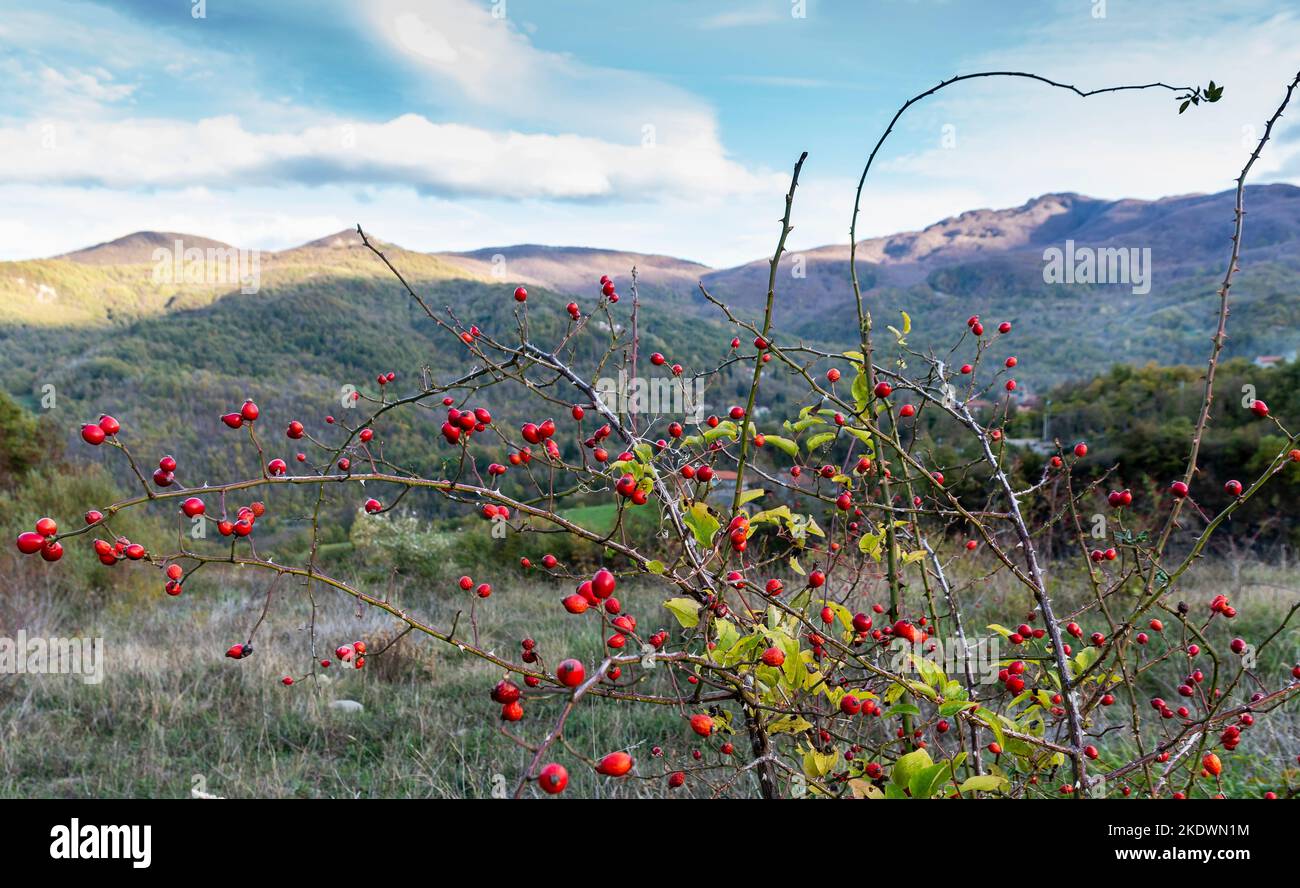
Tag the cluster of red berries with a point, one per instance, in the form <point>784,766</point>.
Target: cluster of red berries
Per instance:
<point>165,474</point>
<point>539,433</point>
<point>493,512</point>
<point>42,540</point>
<point>738,532</point>
<point>111,553</point>
<point>1219,605</point>
<point>95,433</point>
<point>173,585</point>
<point>354,653</point>
<point>659,360</point>
<point>592,593</point>
<point>483,590</point>
<point>1118,499</point>
<point>628,488</point>
<point>703,474</point>
<point>973,322</point>
<point>851,705</point>
<point>464,423</point>
<point>1012,677</point>
<point>508,694</point>
<point>385,378</point>
<point>242,526</point>
<point>599,453</point>
<point>247,413</point>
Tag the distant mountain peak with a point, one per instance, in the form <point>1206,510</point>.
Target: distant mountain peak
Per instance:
<point>139,246</point>
<point>347,239</point>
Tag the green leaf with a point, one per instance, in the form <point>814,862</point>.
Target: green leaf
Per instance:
<point>779,515</point>
<point>995,725</point>
<point>818,440</point>
<point>869,446</point>
<point>686,610</point>
<point>909,766</point>
<point>748,496</point>
<point>789,724</point>
<point>861,389</point>
<point>985,783</point>
<point>871,544</point>
<point>727,634</point>
<point>952,707</point>
<point>925,782</point>
<point>785,445</point>
<point>819,764</point>
<point>702,523</point>
<point>1084,659</point>
<point>655,567</point>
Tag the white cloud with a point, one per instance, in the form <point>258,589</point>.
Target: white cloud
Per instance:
<point>451,159</point>
<point>746,17</point>
<point>495,70</point>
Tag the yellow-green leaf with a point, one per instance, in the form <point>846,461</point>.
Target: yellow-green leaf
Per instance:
<point>686,610</point>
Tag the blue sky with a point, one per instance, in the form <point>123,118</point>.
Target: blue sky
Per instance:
<point>653,126</point>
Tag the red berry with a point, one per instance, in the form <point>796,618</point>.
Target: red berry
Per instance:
<point>521,295</point>
<point>571,673</point>
<point>603,583</point>
<point>616,764</point>
<point>92,434</point>
<point>30,543</point>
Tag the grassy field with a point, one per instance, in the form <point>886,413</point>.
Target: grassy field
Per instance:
<point>173,710</point>
<point>173,713</point>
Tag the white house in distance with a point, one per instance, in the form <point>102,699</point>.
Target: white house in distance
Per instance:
<point>1269,361</point>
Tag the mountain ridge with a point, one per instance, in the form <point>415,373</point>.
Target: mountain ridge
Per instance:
<point>1041,221</point>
